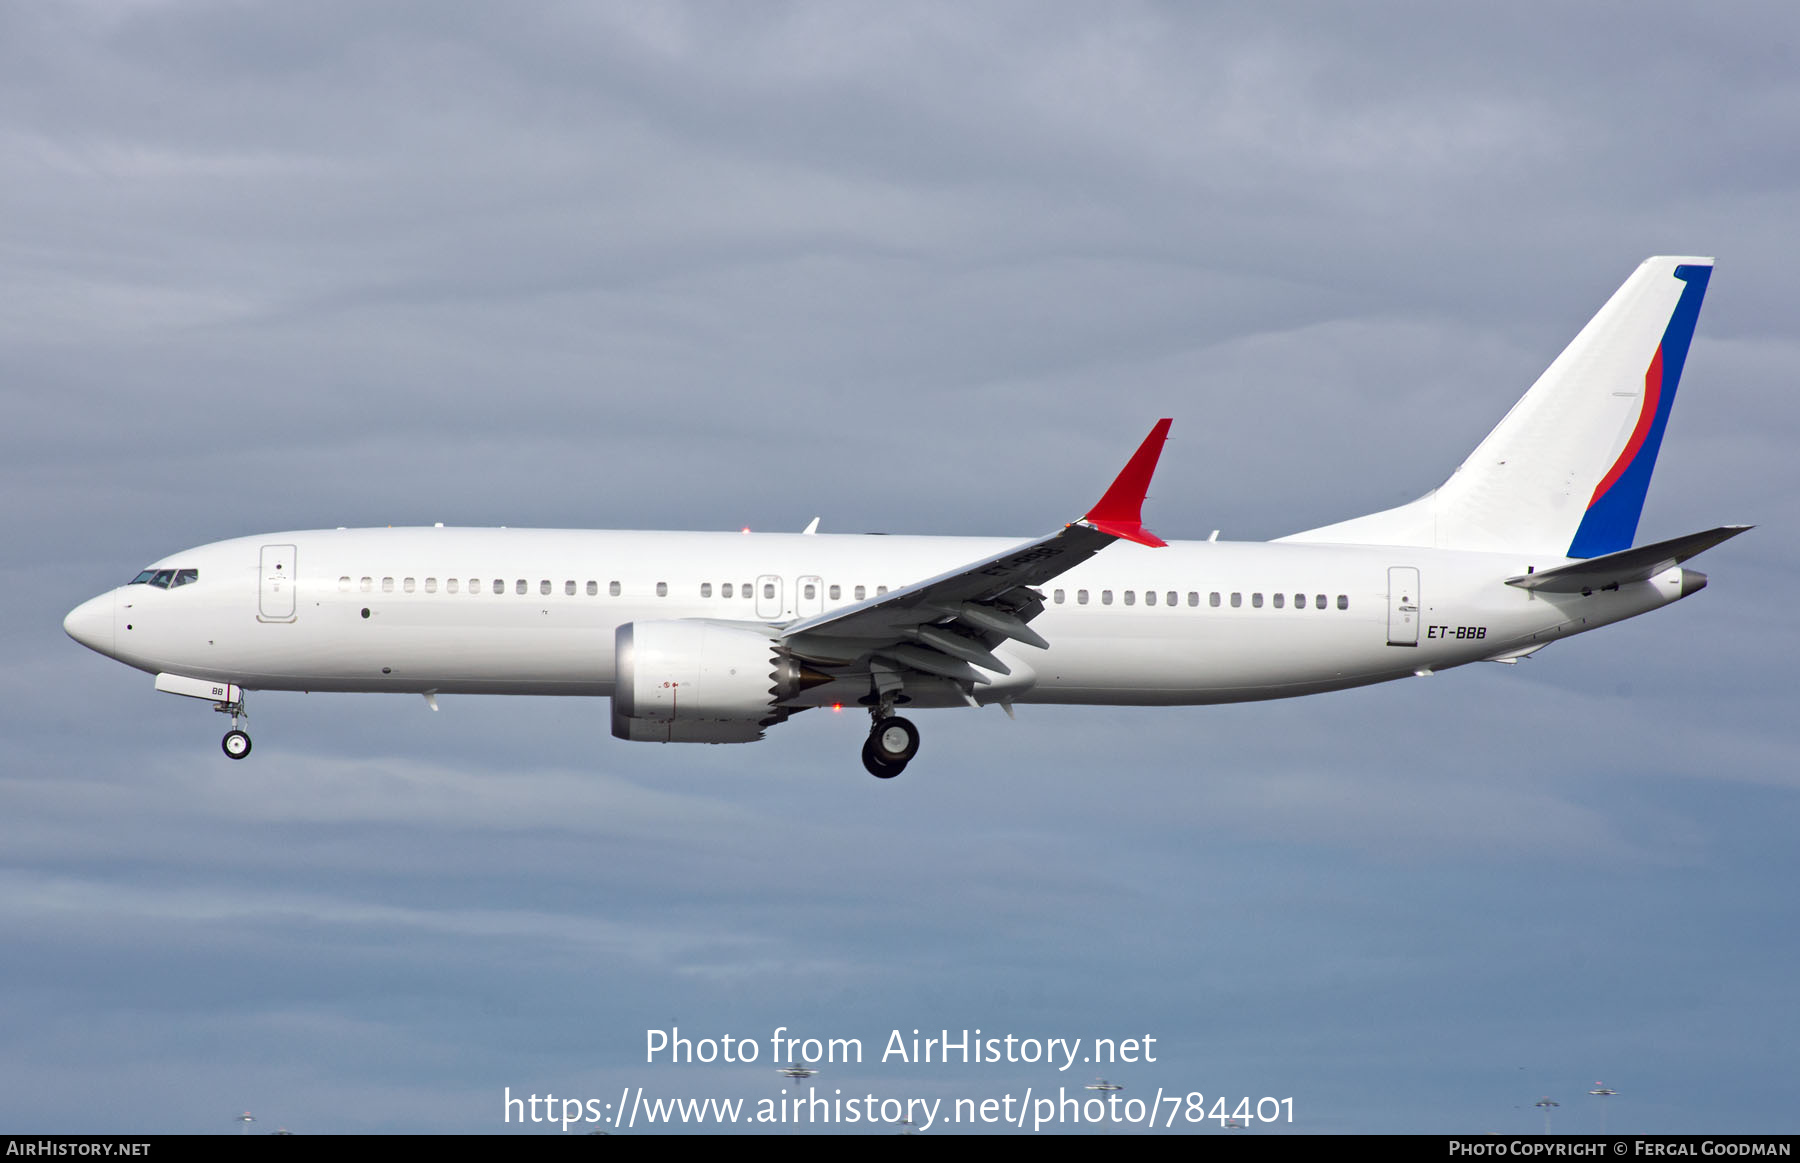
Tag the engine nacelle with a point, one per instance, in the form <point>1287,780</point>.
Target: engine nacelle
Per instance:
<point>700,682</point>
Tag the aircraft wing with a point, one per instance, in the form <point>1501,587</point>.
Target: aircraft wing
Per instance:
<point>1627,565</point>
<point>947,625</point>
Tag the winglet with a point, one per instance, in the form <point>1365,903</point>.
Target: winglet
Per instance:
<point>1121,511</point>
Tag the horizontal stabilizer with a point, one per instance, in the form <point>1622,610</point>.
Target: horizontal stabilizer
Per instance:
<point>1625,566</point>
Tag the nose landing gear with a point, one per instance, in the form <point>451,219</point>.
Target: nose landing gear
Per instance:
<point>236,743</point>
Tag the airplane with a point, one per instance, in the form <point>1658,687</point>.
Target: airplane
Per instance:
<point>717,637</point>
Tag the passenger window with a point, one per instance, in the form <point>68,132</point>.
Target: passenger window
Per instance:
<point>568,589</point>
<point>1194,598</point>
<point>1319,601</point>
<point>706,589</point>
<point>431,585</point>
<point>474,585</point>
<point>861,592</point>
<point>662,589</point>
<point>593,589</point>
<point>1149,598</point>
<point>387,585</point>
<point>1058,596</point>
<point>1131,597</point>
<point>612,588</point>
<point>1173,598</point>
<point>810,591</point>
<point>499,585</point>
<point>836,592</point>
<point>1106,597</point>
<point>768,589</point>
<point>725,590</point>
<point>408,585</point>
<point>879,590</point>
<point>543,585</point>
<point>368,584</point>
<point>1237,600</point>
<point>521,586</point>
<point>1280,600</point>
<point>344,585</point>
<point>1081,597</point>
<point>1256,601</point>
<point>1343,601</point>
<point>1299,601</point>
<point>1213,599</point>
<point>450,586</point>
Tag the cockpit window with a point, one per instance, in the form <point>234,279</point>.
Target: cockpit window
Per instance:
<point>166,579</point>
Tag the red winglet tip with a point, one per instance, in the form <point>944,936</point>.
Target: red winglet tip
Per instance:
<point>1121,511</point>
<point>1130,532</point>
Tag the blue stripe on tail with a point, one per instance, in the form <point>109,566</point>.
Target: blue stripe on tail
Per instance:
<point>1612,516</point>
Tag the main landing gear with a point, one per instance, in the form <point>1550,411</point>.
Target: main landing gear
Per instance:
<point>892,742</point>
<point>236,743</point>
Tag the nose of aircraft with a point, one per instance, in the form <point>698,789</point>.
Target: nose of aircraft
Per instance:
<point>91,623</point>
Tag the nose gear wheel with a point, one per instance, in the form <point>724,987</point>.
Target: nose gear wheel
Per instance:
<point>236,743</point>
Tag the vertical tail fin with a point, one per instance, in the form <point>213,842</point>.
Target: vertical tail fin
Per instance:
<point>1610,521</point>
<point>1566,472</point>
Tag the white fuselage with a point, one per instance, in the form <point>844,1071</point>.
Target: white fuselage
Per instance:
<point>716,637</point>
<point>525,611</point>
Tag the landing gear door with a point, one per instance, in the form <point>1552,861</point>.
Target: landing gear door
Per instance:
<point>1403,605</point>
<point>275,599</point>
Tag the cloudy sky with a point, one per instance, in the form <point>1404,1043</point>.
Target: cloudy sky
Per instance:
<point>923,268</point>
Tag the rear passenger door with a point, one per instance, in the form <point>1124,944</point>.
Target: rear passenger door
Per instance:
<point>1403,605</point>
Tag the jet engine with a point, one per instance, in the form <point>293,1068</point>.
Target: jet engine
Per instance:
<point>701,682</point>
